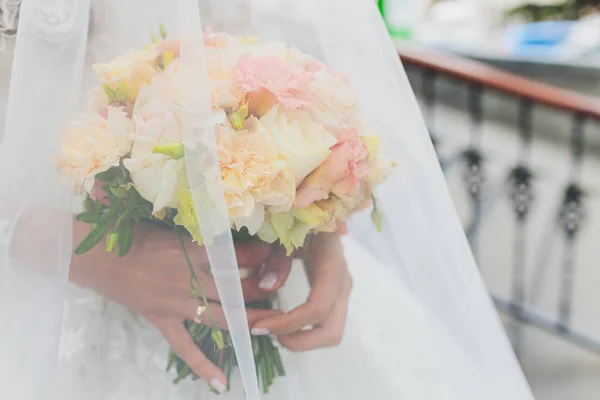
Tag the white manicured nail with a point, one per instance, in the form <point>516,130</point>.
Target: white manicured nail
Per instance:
<point>245,273</point>
<point>268,281</point>
<point>259,331</point>
<point>218,385</point>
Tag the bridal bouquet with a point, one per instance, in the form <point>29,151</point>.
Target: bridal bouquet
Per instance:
<point>296,157</point>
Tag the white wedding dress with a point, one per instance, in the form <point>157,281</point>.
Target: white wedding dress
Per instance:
<point>394,348</point>
<point>107,352</point>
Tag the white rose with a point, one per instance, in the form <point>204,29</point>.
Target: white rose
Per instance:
<point>158,178</point>
<point>91,145</point>
<point>298,137</point>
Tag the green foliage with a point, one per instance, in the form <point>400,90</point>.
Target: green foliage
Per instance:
<point>111,95</point>
<point>94,237</point>
<point>126,207</point>
<point>163,31</point>
<point>376,214</point>
<point>267,358</point>
<point>125,237</point>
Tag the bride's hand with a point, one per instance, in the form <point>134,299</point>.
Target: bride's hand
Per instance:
<point>153,280</point>
<point>325,309</point>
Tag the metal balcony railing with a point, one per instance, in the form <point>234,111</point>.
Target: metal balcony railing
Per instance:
<point>518,186</point>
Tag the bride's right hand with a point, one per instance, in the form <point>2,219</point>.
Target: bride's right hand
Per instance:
<point>153,280</point>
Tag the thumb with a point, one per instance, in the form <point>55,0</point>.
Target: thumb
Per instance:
<point>184,346</point>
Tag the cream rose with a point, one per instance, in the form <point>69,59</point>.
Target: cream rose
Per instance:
<point>132,69</point>
<point>91,145</point>
<point>296,136</point>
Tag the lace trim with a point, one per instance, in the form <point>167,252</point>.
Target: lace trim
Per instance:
<point>9,19</point>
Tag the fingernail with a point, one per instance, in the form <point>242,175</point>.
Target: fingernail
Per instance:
<point>268,281</point>
<point>245,273</point>
<point>218,385</point>
<point>259,331</point>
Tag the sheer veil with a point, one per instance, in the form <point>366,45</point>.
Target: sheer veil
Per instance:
<point>422,239</point>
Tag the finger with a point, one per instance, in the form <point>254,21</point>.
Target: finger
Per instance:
<point>252,254</point>
<point>329,334</point>
<point>327,285</point>
<point>189,308</point>
<point>276,271</point>
<point>183,345</point>
<point>249,254</point>
<point>251,291</point>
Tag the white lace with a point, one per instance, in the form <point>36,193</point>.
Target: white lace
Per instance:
<point>9,17</point>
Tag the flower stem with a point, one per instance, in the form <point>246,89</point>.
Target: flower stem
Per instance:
<point>195,281</point>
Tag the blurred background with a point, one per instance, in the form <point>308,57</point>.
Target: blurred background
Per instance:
<point>510,91</point>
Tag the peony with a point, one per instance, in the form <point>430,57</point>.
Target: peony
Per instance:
<point>340,174</point>
<point>271,75</point>
<point>93,144</point>
<point>132,70</point>
<point>296,136</point>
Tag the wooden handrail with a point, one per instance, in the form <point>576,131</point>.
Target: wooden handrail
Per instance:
<point>488,76</point>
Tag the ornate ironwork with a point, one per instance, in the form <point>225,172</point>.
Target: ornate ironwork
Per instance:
<point>521,191</point>
<point>474,176</point>
<point>572,212</point>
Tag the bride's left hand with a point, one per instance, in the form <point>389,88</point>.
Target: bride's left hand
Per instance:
<point>326,308</point>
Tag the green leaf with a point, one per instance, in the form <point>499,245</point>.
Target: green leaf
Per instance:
<point>129,204</point>
<point>88,205</point>
<point>238,117</point>
<point>111,241</point>
<point>89,217</point>
<point>111,95</point>
<point>136,217</point>
<point>163,31</point>
<point>122,93</point>
<point>113,177</point>
<point>217,337</point>
<point>125,237</point>
<point>114,201</point>
<point>94,237</point>
<point>119,191</point>
<point>172,359</point>
<point>376,214</point>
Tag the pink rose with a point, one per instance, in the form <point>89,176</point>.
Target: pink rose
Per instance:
<point>341,173</point>
<point>272,75</point>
